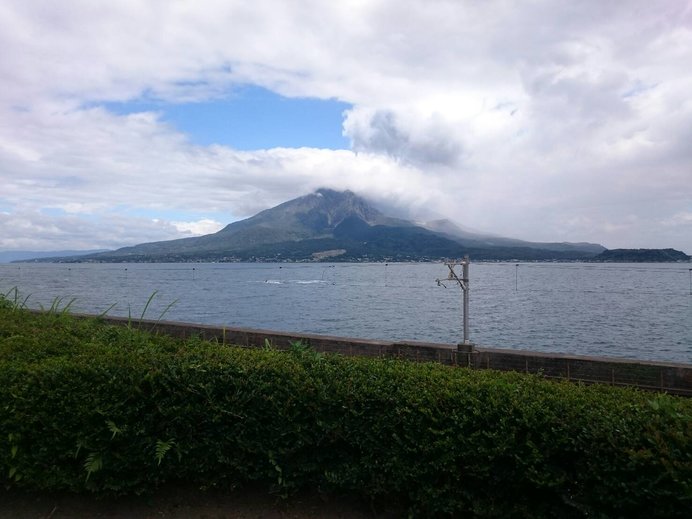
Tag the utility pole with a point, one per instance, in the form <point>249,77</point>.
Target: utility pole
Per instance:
<point>516,277</point>
<point>464,284</point>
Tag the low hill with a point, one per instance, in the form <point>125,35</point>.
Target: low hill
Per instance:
<point>22,255</point>
<point>642,255</point>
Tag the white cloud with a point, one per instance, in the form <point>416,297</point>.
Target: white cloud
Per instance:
<point>540,120</point>
<point>683,218</point>
<point>36,231</point>
<point>199,227</point>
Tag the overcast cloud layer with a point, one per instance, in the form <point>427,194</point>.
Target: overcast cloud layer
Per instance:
<point>542,120</point>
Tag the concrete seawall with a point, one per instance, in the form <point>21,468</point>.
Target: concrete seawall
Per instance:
<point>671,378</point>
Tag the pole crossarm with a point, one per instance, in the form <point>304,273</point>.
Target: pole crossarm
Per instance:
<point>463,282</point>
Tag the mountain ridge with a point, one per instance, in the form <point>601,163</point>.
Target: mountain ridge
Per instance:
<point>447,227</point>
<point>312,227</point>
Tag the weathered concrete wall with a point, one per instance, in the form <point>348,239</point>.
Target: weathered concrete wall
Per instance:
<point>658,376</point>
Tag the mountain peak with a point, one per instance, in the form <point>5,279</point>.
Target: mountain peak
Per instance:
<point>314,215</point>
<point>325,191</point>
<point>335,206</point>
<point>328,220</point>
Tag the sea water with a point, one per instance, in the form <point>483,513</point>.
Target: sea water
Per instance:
<point>640,311</point>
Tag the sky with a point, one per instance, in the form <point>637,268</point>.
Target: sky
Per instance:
<point>143,120</point>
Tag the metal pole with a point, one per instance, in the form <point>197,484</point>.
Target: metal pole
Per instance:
<point>465,279</point>
<point>516,277</point>
<point>464,285</point>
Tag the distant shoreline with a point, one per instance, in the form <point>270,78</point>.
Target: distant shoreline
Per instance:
<point>642,256</point>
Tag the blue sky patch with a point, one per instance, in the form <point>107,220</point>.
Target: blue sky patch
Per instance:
<point>252,118</point>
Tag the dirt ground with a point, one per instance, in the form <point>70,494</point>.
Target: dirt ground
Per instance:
<point>178,502</point>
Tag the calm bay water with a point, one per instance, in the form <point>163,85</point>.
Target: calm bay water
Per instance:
<point>641,311</point>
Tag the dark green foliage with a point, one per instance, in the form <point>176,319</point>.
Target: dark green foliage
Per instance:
<point>641,255</point>
<point>112,410</point>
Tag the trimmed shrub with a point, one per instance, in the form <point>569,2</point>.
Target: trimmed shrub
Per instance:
<point>87,407</point>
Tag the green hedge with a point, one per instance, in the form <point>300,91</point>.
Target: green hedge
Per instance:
<point>111,410</point>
